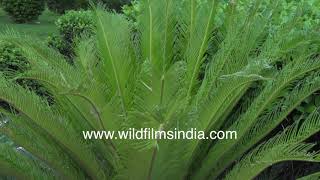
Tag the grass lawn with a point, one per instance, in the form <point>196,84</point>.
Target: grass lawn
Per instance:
<point>40,28</point>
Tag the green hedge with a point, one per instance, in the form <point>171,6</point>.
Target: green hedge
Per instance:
<point>11,59</point>
<point>71,26</point>
<point>75,23</point>
<point>22,11</point>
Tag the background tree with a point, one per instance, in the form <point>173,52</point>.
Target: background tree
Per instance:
<point>61,6</point>
<point>22,11</point>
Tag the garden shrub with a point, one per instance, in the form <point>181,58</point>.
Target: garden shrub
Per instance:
<point>71,26</point>
<point>132,11</point>
<point>75,23</point>
<point>11,59</point>
<point>22,11</point>
<point>57,43</point>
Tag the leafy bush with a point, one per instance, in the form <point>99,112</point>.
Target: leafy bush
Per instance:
<point>61,6</point>
<point>11,59</point>
<point>132,11</point>
<point>71,26</point>
<point>308,12</point>
<point>59,44</point>
<point>22,11</point>
<point>121,81</point>
<point>75,23</point>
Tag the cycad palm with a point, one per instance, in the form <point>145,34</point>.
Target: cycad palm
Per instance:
<point>152,77</point>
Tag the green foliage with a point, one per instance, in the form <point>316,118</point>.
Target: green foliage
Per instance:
<point>109,4</point>
<point>11,59</point>
<point>114,4</point>
<point>74,24</point>
<point>208,65</point>
<point>71,26</point>
<point>132,11</point>
<point>13,63</point>
<point>61,6</point>
<point>83,4</point>
<point>309,12</point>
<point>42,28</point>
<point>61,45</point>
<point>22,11</point>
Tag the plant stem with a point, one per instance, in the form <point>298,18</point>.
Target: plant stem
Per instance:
<point>154,154</point>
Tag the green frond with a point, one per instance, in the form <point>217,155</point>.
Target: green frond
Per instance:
<point>113,36</point>
<point>48,120</point>
<point>271,92</point>
<point>259,159</point>
<point>199,40</point>
<point>15,163</point>
<point>40,145</point>
<point>283,147</point>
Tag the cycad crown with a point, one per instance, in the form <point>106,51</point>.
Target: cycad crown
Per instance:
<point>189,64</point>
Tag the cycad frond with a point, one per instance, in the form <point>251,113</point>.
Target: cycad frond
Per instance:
<point>285,146</point>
